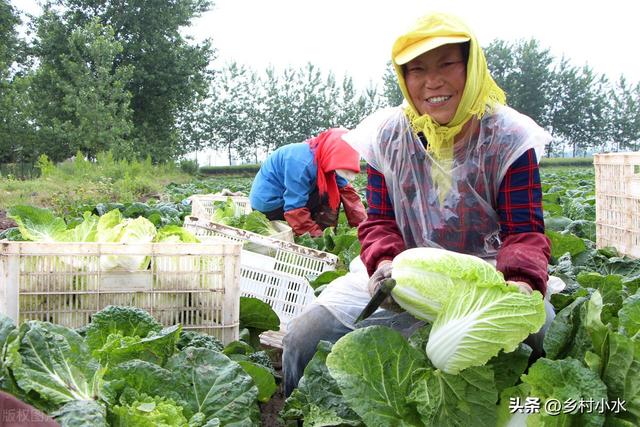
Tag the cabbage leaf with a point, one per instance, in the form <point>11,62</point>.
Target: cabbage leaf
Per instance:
<point>477,322</point>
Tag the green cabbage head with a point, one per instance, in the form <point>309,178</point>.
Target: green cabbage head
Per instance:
<point>475,314</point>
<point>425,278</point>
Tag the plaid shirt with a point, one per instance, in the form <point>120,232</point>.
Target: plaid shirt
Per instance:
<point>519,208</point>
<point>519,200</point>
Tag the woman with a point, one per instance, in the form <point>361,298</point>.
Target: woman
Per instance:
<point>304,184</point>
<point>454,168</point>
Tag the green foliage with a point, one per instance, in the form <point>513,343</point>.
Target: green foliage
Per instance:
<point>9,20</point>
<point>256,317</point>
<point>549,162</point>
<point>228,213</point>
<point>253,112</point>
<point>119,373</point>
<point>45,166</point>
<point>530,91</point>
<point>571,101</point>
<point>391,89</point>
<point>82,182</point>
<point>626,101</point>
<point>151,41</point>
<point>341,240</point>
<point>147,411</point>
<point>563,380</point>
<point>80,413</point>
<point>318,399</point>
<point>93,114</point>
<point>189,167</point>
<point>262,377</point>
<point>194,339</point>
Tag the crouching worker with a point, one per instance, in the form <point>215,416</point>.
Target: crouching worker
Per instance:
<point>454,168</point>
<point>305,183</point>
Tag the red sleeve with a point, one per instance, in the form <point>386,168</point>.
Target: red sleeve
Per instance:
<point>524,257</point>
<point>380,239</point>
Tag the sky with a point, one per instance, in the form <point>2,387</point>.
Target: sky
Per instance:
<point>355,36</point>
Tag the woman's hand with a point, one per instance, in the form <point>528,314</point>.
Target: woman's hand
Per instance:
<point>382,273</point>
<point>523,287</point>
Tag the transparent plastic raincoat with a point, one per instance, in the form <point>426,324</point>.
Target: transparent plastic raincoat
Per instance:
<point>432,217</point>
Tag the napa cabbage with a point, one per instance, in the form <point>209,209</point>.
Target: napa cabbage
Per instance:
<point>426,277</point>
<point>224,210</point>
<point>475,314</point>
<point>112,228</point>
<point>229,213</point>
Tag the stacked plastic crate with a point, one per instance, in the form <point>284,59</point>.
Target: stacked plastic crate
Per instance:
<point>618,202</point>
<point>275,271</point>
<point>195,284</point>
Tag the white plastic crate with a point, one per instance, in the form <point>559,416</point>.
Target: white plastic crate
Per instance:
<point>618,202</point>
<point>202,205</point>
<point>272,270</point>
<point>195,284</point>
<point>206,227</point>
<point>287,294</point>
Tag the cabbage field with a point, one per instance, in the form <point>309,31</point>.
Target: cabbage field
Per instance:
<point>113,371</point>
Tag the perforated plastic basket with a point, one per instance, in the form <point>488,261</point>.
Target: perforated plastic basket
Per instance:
<point>287,294</point>
<point>202,205</point>
<point>618,202</point>
<point>195,284</point>
<point>272,270</point>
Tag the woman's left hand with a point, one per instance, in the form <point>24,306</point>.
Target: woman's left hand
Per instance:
<point>523,287</point>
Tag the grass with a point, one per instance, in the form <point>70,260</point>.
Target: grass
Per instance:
<point>80,181</point>
<point>566,161</point>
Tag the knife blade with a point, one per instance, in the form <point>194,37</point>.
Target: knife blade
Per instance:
<point>381,294</point>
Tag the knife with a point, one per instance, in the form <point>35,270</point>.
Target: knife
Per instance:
<point>381,294</point>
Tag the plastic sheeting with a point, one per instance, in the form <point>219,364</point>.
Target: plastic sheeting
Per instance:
<point>429,215</point>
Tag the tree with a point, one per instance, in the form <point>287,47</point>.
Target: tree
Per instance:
<point>578,101</point>
<point>10,118</point>
<point>353,107</point>
<point>276,100</point>
<point>523,71</point>
<point>169,73</point>
<point>313,110</point>
<point>86,104</point>
<point>9,20</point>
<point>391,91</point>
<point>625,119</point>
<point>229,114</point>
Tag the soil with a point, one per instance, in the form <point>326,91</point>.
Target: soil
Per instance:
<point>6,222</point>
<point>269,411</point>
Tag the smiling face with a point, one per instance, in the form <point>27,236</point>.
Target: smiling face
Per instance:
<point>435,81</point>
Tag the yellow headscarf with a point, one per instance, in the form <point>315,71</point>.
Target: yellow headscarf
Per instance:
<point>480,93</point>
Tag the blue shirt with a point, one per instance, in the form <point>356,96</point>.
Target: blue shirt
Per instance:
<point>286,179</point>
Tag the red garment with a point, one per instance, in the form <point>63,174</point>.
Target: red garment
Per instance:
<point>525,250</point>
<point>301,222</point>
<point>331,152</point>
<point>380,239</point>
<point>524,257</point>
<point>353,207</point>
